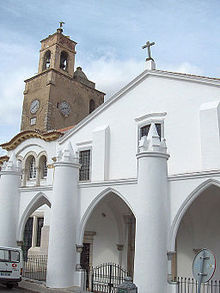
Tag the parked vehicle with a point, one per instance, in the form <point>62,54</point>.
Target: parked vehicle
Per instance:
<point>11,265</point>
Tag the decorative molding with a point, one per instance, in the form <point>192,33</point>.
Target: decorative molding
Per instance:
<point>4,159</point>
<point>150,116</point>
<point>79,248</point>
<point>84,143</point>
<point>170,254</point>
<point>78,267</point>
<point>22,136</point>
<point>153,154</point>
<point>20,243</point>
<point>108,183</point>
<point>194,175</point>
<point>35,188</point>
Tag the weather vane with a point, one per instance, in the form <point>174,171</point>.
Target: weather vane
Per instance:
<point>61,23</point>
<point>148,45</point>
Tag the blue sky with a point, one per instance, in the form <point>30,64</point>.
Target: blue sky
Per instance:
<point>109,36</point>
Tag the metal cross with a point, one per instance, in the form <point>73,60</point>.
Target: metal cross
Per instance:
<point>61,23</point>
<point>148,45</point>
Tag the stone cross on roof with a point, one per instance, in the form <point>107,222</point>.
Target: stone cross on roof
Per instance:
<point>148,45</point>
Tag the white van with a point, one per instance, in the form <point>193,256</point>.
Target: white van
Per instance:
<point>11,265</point>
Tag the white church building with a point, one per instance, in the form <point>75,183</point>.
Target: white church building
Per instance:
<point>135,183</point>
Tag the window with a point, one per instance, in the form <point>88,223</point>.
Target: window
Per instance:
<point>64,60</point>
<point>91,106</point>
<point>43,167</point>
<point>4,255</point>
<point>32,168</point>
<point>40,223</point>
<point>9,255</point>
<point>145,129</point>
<point>84,160</point>
<point>15,256</point>
<point>47,57</point>
<point>33,120</point>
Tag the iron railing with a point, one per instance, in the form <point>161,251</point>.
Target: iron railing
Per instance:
<point>106,277</point>
<point>189,285</point>
<point>35,267</point>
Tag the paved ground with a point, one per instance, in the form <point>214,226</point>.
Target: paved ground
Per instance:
<point>4,289</point>
<point>27,285</point>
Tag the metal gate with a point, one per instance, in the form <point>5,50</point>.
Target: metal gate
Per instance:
<point>189,285</point>
<point>107,277</point>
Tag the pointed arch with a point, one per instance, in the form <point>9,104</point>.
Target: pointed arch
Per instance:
<point>38,200</point>
<point>184,207</point>
<point>92,206</point>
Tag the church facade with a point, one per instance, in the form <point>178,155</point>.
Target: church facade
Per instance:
<point>134,180</point>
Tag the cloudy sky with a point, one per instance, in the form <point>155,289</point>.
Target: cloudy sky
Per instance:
<point>109,34</point>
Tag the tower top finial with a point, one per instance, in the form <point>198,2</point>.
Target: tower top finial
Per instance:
<point>60,29</point>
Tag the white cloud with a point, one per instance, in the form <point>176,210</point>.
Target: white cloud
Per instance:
<point>184,67</point>
<point>111,74</point>
<point>17,64</point>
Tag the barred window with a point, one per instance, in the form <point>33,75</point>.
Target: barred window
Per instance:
<point>145,129</point>
<point>84,160</point>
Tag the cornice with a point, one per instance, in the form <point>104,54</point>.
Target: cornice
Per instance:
<point>194,175</point>
<point>22,136</point>
<point>36,188</point>
<point>153,154</point>
<point>108,183</point>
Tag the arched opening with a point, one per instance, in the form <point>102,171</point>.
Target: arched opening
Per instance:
<point>33,231</point>
<point>47,60</point>
<point>91,106</point>
<point>109,236</point>
<point>199,229</point>
<point>64,60</point>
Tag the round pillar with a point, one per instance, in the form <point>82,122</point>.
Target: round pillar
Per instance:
<point>9,202</point>
<point>63,221</point>
<point>152,215</point>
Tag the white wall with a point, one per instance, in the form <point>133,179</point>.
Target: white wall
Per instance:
<point>180,99</point>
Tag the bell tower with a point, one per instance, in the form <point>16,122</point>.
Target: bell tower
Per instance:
<point>57,52</point>
<point>58,96</point>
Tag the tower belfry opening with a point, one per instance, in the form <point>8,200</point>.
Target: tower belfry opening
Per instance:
<point>57,83</point>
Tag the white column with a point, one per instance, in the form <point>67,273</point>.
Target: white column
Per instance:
<point>63,221</point>
<point>9,201</point>
<point>150,272</point>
